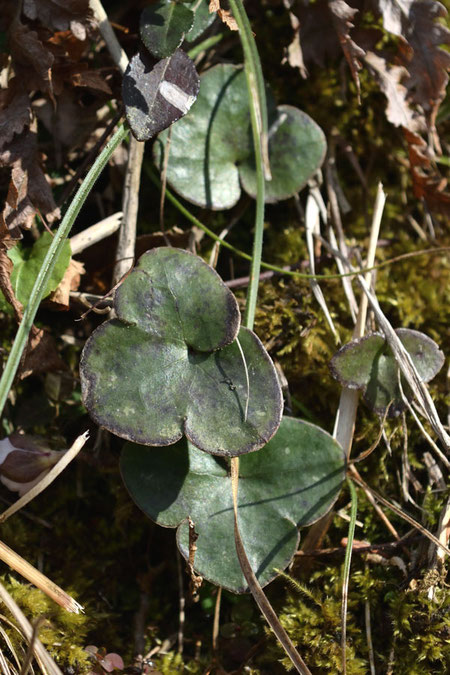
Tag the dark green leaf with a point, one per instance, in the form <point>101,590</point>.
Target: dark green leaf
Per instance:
<point>297,148</point>
<point>163,26</point>
<point>211,150</point>
<point>170,363</point>
<point>292,481</point>
<point>203,18</point>
<point>156,97</point>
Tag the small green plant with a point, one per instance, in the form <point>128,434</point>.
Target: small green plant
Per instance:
<point>368,364</point>
<point>172,363</point>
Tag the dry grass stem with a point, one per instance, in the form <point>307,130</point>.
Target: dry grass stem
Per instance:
<point>46,663</point>
<point>48,478</point>
<point>91,235</point>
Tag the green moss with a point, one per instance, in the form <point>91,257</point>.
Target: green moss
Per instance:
<point>62,633</point>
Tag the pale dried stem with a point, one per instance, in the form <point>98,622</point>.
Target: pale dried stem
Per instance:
<point>92,235</point>
<point>130,204</point>
<point>16,562</point>
<point>216,623</point>
<point>346,415</point>
<point>130,199</point>
<point>425,433</point>
<point>118,55</point>
<point>46,663</point>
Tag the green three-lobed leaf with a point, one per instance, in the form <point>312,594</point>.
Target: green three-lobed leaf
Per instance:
<point>211,151</point>
<point>170,364</point>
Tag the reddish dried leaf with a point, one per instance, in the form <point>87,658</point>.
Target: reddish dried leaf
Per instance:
<point>224,15</point>
<point>318,37</point>
<point>28,189</point>
<point>428,184</point>
<point>342,15</point>
<point>415,22</point>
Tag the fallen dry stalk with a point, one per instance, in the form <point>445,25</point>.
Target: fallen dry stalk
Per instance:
<point>46,663</point>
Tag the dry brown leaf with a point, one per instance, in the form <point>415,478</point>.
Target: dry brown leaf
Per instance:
<point>342,15</point>
<point>28,189</point>
<point>224,14</point>
<point>15,110</point>
<point>6,267</point>
<point>41,355</point>
<point>59,14</point>
<point>390,78</point>
<point>91,79</point>
<point>428,184</point>
<point>32,60</point>
<point>70,282</point>
<point>415,22</point>
<point>293,52</point>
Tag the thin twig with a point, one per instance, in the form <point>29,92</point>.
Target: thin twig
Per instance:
<point>118,55</point>
<point>405,516</point>
<point>255,587</point>
<point>346,576</point>
<point>130,198</point>
<point>16,562</point>
<point>181,604</point>
<point>130,204</point>
<point>354,472</point>
<point>92,235</point>
<point>216,622</point>
<point>37,623</point>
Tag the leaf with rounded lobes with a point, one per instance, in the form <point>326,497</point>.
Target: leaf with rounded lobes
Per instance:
<point>163,26</point>
<point>297,148</point>
<point>156,96</point>
<point>211,150</point>
<point>170,364</point>
<point>368,364</point>
<point>27,263</point>
<point>293,481</point>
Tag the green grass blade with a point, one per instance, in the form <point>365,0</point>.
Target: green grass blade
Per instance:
<point>53,253</point>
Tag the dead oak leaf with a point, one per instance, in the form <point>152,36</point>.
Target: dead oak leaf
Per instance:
<point>60,299</point>
<point>60,15</point>
<point>415,22</point>
<point>32,60</point>
<point>428,184</point>
<point>15,110</point>
<point>28,190</point>
<point>224,14</point>
<point>342,15</point>
<point>390,79</point>
<point>6,288</point>
<point>41,355</point>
